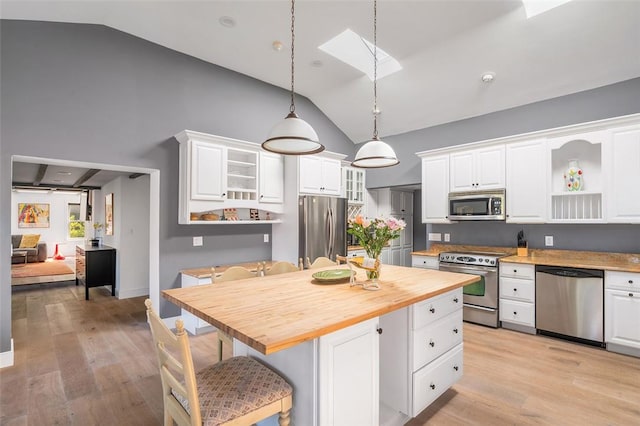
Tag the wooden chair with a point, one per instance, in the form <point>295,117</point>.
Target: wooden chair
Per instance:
<point>321,262</point>
<point>280,268</point>
<point>239,390</point>
<point>230,274</point>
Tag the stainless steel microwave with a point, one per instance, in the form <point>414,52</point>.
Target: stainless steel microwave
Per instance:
<point>477,205</point>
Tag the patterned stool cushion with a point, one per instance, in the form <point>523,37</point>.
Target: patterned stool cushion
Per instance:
<point>235,387</point>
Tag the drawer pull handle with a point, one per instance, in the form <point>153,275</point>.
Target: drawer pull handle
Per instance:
<point>455,367</point>
<point>515,271</point>
<point>455,300</point>
<point>379,330</point>
<point>432,310</point>
<point>455,330</point>
<point>630,294</point>
<point>630,281</point>
<point>432,386</point>
<point>515,289</point>
<point>432,343</point>
<point>515,313</point>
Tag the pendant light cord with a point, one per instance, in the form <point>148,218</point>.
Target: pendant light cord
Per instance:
<point>292,108</point>
<point>375,69</point>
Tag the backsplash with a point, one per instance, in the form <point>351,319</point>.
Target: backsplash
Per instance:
<point>602,238</point>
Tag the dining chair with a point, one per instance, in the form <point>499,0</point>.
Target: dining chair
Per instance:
<point>230,274</point>
<point>280,268</point>
<point>239,390</point>
<point>321,262</point>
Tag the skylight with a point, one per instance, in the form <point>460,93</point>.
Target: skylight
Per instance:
<point>354,50</point>
<point>536,7</point>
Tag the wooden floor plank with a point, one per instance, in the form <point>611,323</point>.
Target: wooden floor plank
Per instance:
<point>509,378</point>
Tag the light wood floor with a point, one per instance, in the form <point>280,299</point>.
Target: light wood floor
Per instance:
<point>91,363</point>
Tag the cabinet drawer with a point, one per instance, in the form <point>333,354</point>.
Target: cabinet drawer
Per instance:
<point>518,312</point>
<point>438,307</point>
<point>517,289</point>
<point>517,270</point>
<point>434,379</point>
<point>433,340</point>
<point>428,262</point>
<point>628,281</point>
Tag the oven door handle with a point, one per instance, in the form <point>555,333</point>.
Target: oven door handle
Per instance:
<point>477,270</point>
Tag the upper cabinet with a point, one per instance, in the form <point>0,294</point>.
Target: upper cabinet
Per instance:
<point>435,188</point>
<point>225,180</point>
<point>526,189</point>
<point>477,169</point>
<point>623,162</point>
<point>320,175</point>
<point>353,184</point>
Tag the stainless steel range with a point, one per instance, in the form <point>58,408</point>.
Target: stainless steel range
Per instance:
<point>480,298</point>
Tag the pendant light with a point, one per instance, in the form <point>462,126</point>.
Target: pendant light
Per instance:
<point>375,153</point>
<point>293,136</point>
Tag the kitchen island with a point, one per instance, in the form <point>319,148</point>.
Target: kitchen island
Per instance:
<point>326,338</point>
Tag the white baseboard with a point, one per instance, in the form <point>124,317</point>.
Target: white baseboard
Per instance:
<point>129,293</point>
<point>6,358</point>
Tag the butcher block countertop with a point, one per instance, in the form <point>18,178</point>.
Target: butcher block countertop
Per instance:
<point>276,312</point>
<point>627,262</point>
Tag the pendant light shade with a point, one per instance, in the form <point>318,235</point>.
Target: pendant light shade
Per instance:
<point>293,135</point>
<point>375,153</point>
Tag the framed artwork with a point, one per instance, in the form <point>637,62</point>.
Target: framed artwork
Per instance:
<point>108,214</point>
<point>32,215</point>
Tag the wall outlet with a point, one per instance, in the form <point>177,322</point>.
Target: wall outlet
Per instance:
<point>197,241</point>
<point>548,240</point>
<point>447,238</point>
<point>266,238</point>
<point>435,236</point>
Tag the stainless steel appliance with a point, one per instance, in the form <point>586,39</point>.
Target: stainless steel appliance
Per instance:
<point>323,227</point>
<point>570,303</point>
<point>480,298</point>
<point>477,205</point>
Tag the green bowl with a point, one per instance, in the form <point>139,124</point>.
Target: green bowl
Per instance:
<point>332,275</point>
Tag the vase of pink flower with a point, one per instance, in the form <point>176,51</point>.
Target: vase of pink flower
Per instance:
<point>373,235</point>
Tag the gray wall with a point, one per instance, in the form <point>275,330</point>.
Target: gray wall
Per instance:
<point>91,93</point>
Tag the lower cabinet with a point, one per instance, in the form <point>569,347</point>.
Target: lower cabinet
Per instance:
<point>622,312</point>
<point>96,267</point>
<point>517,305</point>
<point>426,262</point>
<point>420,353</point>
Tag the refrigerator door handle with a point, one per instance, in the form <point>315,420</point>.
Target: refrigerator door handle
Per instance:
<point>331,233</point>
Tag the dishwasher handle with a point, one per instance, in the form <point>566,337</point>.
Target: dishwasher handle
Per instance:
<point>570,272</point>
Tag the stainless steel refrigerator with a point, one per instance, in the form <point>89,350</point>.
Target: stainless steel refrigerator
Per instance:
<point>323,227</point>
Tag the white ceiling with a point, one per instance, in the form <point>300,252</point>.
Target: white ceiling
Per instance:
<point>443,46</point>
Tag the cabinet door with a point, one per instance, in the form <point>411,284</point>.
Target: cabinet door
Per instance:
<point>406,256</point>
<point>396,256</point>
<point>406,236</point>
<point>435,189</point>
<point>310,172</point>
<point>271,178</point>
<point>208,171</point>
<point>622,316</point>
<point>331,176</point>
<point>462,176</point>
<point>489,168</point>
<point>624,172</point>
<point>348,376</point>
<point>526,182</point>
<point>385,256</point>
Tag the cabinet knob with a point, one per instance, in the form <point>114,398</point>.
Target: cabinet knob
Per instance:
<point>379,330</point>
<point>630,294</point>
<point>515,289</point>
<point>432,386</point>
<point>630,281</point>
<point>515,271</point>
<point>455,367</point>
<point>455,330</point>
<point>455,300</point>
<point>262,196</point>
<point>432,343</point>
<point>432,310</point>
<point>515,313</point>
<point>224,194</point>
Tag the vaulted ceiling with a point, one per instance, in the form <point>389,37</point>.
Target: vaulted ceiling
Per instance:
<point>443,46</point>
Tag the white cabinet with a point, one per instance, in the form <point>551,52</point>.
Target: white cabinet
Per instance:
<point>208,171</point>
<point>477,169</point>
<point>349,375</point>
<point>401,203</point>
<point>353,185</point>
<point>526,173</point>
<point>421,352</point>
<point>622,312</point>
<point>319,175</point>
<point>624,171</point>
<point>517,297</point>
<point>271,178</point>
<point>435,188</point>
<point>425,262</point>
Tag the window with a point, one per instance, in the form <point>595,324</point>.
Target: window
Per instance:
<point>76,224</point>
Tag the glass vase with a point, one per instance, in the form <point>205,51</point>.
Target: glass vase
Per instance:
<point>372,271</point>
<point>573,177</point>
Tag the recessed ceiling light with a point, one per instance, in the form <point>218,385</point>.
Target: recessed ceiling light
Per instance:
<point>488,77</point>
<point>65,173</point>
<point>227,21</point>
<point>317,63</point>
<point>58,180</point>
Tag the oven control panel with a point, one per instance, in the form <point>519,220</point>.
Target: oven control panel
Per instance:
<point>490,260</point>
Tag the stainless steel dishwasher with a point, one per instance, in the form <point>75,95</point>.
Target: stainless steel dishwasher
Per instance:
<point>570,303</point>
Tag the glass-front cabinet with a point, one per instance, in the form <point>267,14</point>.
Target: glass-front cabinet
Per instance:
<point>353,183</point>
